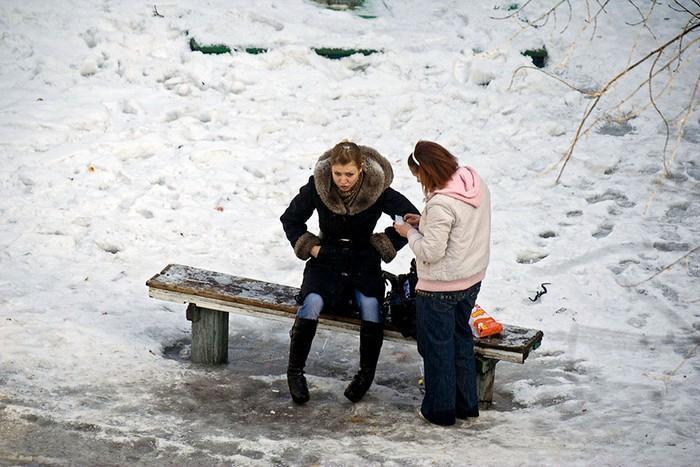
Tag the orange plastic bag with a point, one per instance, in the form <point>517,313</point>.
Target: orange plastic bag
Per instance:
<point>482,324</point>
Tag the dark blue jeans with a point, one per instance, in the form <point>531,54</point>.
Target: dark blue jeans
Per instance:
<point>446,344</point>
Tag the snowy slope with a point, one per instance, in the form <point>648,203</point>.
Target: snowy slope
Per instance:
<point>123,151</point>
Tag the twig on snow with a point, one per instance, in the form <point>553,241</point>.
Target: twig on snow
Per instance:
<point>607,86</point>
<point>664,269</point>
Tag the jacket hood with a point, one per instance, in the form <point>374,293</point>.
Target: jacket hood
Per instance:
<point>378,176</point>
<point>464,186</point>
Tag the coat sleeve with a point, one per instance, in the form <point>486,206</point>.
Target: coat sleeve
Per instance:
<point>436,225</point>
<point>389,242</point>
<point>294,221</point>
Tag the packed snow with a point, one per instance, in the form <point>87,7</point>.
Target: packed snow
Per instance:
<point>123,151</point>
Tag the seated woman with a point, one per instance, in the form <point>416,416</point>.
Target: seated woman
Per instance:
<point>349,190</point>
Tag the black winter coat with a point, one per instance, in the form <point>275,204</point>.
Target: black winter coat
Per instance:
<point>352,229</point>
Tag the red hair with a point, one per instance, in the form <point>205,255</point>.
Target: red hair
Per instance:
<point>433,164</point>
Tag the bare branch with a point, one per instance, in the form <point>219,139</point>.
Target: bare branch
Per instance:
<point>665,268</point>
<point>582,91</point>
<point>675,9</point>
<point>514,13</point>
<point>623,101</point>
<point>684,120</point>
<point>595,17</point>
<point>571,12</point>
<point>632,114</point>
<point>656,107</point>
<point>684,9</point>
<point>680,42</point>
<point>645,19</point>
<point>641,85</point>
<point>607,86</point>
<point>545,16</point>
<point>638,11</point>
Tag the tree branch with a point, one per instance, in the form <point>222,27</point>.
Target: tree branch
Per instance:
<point>684,121</point>
<point>512,78</point>
<point>665,268</point>
<point>656,107</point>
<point>518,10</point>
<point>607,86</point>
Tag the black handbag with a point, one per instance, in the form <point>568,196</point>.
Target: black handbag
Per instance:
<point>399,307</point>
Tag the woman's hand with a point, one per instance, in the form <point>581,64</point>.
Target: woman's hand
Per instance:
<point>314,251</point>
<point>402,229</point>
<point>412,219</point>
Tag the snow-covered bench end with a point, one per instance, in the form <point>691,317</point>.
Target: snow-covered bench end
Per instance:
<point>211,296</point>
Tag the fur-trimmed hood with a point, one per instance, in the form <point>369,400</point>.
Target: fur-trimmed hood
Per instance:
<point>378,176</point>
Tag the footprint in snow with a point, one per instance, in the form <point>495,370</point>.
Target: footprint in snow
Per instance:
<point>530,257</point>
<point>612,195</point>
<point>603,231</point>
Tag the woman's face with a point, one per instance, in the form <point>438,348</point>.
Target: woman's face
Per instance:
<point>345,176</point>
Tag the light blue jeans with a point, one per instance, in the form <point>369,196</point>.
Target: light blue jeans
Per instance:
<point>369,307</point>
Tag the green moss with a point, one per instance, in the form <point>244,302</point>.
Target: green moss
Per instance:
<point>341,4</point>
<point>327,52</point>
<point>337,53</point>
<point>209,49</point>
<point>217,49</point>
<point>255,50</point>
<point>539,56</point>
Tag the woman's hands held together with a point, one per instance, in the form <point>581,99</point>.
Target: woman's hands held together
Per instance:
<point>412,219</point>
<point>410,222</point>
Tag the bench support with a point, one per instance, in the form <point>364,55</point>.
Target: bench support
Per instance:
<point>485,373</point>
<point>209,335</point>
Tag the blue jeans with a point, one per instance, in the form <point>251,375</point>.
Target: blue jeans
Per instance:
<point>446,344</point>
<point>368,306</point>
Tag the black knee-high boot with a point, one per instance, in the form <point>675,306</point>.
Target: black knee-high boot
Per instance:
<point>371,339</point>
<point>302,335</point>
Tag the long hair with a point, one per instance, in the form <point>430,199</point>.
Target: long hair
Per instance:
<point>345,153</point>
<point>433,164</point>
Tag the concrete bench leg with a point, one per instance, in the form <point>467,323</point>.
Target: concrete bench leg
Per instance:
<point>485,373</point>
<point>209,335</point>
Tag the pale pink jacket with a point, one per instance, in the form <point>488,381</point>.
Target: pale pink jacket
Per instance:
<point>453,241</point>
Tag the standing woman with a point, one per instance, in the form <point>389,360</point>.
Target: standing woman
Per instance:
<point>349,190</point>
<point>451,241</point>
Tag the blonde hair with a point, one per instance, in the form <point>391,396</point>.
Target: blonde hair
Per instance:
<point>345,153</point>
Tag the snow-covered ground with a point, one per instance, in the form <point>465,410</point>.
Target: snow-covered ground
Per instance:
<point>123,151</point>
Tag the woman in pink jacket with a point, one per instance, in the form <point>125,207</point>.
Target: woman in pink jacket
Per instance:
<point>451,242</point>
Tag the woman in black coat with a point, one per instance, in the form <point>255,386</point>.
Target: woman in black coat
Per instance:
<point>349,190</point>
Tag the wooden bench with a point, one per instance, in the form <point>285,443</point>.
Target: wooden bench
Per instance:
<point>212,295</point>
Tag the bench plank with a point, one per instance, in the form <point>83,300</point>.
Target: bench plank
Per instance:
<point>224,292</point>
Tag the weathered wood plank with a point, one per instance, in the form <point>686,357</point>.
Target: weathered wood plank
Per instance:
<point>485,375</point>
<point>224,292</point>
<point>209,335</point>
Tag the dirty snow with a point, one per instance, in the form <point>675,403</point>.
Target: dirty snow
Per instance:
<point>123,151</point>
